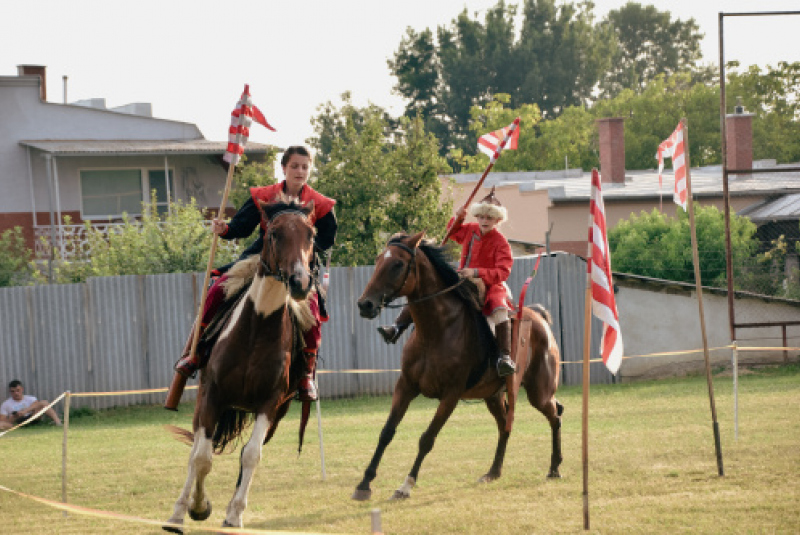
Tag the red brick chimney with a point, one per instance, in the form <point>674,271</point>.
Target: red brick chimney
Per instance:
<point>739,139</point>
<point>35,70</point>
<point>612,149</point>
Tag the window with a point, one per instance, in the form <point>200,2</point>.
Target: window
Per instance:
<point>164,192</point>
<point>108,193</point>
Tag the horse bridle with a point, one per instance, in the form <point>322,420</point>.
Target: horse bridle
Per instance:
<point>278,274</point>
<point>386,300</point>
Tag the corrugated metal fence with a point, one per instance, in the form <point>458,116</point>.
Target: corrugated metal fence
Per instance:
<point>125,333</point>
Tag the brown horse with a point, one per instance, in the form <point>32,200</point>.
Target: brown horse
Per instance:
<point>251,369</point>
<point>447,355</point>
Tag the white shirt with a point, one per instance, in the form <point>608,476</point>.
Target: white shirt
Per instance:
<point>10,405</point>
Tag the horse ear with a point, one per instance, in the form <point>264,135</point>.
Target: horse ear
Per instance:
<point>308,209</point>
<point>415,240</point>
<point>262,209</point>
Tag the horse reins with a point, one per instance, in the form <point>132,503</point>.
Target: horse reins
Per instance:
<point>386,301</point>
<point>278,274</point>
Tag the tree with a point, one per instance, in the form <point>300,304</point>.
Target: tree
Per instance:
<point>654,245</point>
<point>173,242</point>
<point>555,63</point>
<point>16,259</point>
<point>650,44</point>
<point>383,180</point>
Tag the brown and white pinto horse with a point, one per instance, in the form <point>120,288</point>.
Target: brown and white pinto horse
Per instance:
<point>251,369</point>
<point>447,355</point>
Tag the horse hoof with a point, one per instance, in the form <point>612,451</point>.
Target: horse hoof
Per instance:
<point>399,495</point>
<point>199,516</point>
<point>487,478</point>
<point>361,495</point>
<point>554,474</point>
<point>226,524</point>
<point>172,529</point>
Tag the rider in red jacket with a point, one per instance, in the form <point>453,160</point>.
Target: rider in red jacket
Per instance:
<point>296,164</point>
<point>485,254</point>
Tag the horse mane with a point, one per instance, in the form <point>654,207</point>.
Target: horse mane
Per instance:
<point>283,203</point>
<point>467,290</point>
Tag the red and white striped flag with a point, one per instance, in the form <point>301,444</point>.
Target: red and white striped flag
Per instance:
<point>493,143</point>
<point>673,147</point>
<point>604,305</point>
<point>241,119</point>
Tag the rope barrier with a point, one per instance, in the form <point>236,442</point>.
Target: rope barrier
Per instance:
<point>98,513</point>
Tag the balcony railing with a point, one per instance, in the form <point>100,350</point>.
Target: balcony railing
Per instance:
<point>72,241</point>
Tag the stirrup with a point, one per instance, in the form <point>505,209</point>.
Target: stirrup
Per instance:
<point>505,366</point>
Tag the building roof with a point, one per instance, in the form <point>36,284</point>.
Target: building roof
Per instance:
<point>573,185</point>
<point>134,147</point>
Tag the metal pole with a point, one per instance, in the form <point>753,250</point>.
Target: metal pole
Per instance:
<point>735,390</point>
<point>319,434</point>
<point>587,340</point>
<point>49,170</point>
<point>725,192</point>
<point>699,287</point>
<point>64,450</point>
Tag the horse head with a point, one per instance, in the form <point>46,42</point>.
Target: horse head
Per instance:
<point>288,245</point>
<point>394,274</point>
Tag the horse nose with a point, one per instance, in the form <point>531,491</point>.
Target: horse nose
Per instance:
<point>367,308</point>
<point>298,287</point>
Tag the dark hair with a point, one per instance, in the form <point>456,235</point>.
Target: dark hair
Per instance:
<point>15,383</point>
<point>296,149</point>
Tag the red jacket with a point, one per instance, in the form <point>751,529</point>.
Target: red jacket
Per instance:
<point>322,204</point>
<point>491,255</point>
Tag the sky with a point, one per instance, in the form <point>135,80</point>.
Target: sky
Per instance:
<point>191,59</point>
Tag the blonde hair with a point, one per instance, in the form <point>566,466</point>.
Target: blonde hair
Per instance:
<point>492,210</point>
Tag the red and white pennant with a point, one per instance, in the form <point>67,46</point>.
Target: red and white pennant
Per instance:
<point>239,131</point>
<point>674,147</point>
<point>493,143</point>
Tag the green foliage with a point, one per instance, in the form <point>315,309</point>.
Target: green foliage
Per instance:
<point>252,175</point>
<point>16,267</point>
<point>650,44</point>
<point>554,61</point>
<point>654,245</point>
<point>174,242</point>
<point>383,180</point>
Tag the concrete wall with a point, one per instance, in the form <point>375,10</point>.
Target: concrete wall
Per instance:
<point>656,319</point>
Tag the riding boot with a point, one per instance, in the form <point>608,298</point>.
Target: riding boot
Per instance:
<point>185,368</point>
<point>307,391</point>
<point>188,364</point>
<point>505,366</point>
<point>392,333</point>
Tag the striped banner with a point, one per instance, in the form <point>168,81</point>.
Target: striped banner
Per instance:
<point>673,147</point>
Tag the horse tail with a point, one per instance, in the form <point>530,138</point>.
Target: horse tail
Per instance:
<point>229,428</point>
<point>180,434</point>
<point>543,312</point>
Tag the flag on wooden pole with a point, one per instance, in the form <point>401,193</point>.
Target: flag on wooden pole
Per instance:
<point>604,304</point>
<point>673,147</point>
<point>239,131</point>
<point>492,144</point>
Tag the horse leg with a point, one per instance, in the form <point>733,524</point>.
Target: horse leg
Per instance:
<point>552,410</point>
<point>497,408</point>
<point>250,457</point>
<point>426,441</point>
<point>199,467</point>
<point>403,395</point>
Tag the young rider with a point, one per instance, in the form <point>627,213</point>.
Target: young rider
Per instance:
<point>296,164</point>
<point>485,254</point>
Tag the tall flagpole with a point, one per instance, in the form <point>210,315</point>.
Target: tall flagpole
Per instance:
<point>179,380</point>
<point>699,291</point>
<point>492,160</point>
<point>587,340</point>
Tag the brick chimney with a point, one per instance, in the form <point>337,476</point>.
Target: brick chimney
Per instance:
<point>739,139</point>
<point>612,149</point>
<point>35,70</point>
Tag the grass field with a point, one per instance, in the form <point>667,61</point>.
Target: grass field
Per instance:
<point>652,467</point>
